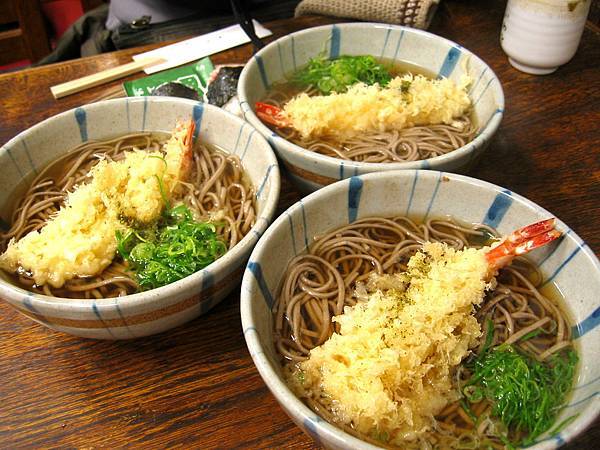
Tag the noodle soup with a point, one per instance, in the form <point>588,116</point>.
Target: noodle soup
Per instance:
<point>507,346</point>
<point>389,143</point>
<point>216,192</point>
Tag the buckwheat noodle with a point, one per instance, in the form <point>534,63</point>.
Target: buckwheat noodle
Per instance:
<point>321,282</point>
<point>217,185</point>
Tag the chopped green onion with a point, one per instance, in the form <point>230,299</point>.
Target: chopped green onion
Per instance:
<point>171,249</point>
<point>163,194</point>
<point>561,426</point>
<point>337,75</point>
<point>467,409</point>
<point>526,394</point>
<point>531,334</point>
<point>489,337</point>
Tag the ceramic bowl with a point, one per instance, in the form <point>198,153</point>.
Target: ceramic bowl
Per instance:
<point>309,170</point>
<point>569,263</point>
<point>159,309</point>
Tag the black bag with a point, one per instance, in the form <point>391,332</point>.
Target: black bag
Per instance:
<point>89,36</point>
<point>142,32</point>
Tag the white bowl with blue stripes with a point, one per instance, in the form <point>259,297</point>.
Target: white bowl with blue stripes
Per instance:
<point>309,170</point>
<point>159,309</point>
<point>569,263</point>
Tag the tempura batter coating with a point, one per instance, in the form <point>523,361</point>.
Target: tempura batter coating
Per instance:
<point>80,240</point>
<point>389,368</point>
<point>405,102</point>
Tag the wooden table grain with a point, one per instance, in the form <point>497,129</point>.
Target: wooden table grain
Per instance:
<point>196,386</point>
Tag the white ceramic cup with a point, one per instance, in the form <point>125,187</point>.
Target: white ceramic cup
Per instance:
<point>540,35</point>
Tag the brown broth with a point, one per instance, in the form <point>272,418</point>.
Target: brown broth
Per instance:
<point>57,170</point>
<point>408,144</point>
<point>550,291</point>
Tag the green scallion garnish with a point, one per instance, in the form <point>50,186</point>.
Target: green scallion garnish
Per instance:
<point>525,394</point>
<point>173,248</point>
<point>336,75</point>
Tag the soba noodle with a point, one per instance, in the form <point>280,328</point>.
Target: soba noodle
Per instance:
<point>217,186</point>
<point>409,144</point>
<point>321,282</point>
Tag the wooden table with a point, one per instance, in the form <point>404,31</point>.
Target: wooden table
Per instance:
<point>196,386</point>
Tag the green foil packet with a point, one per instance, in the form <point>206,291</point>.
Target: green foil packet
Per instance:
<point>193,75</point>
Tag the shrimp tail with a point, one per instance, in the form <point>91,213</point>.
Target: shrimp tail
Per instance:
<point>272,115</point>
<point>522,241</point>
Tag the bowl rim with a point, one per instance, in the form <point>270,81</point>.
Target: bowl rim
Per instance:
<point>486,133</point>
<point>18,294</point>
<point>303,413</point>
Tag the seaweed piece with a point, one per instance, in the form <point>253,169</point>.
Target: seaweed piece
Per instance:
<point>173,89</point>
<point>224,86</point>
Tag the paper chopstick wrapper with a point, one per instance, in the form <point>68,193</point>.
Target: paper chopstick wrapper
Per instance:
<point>199,47</point>
<point>165,57</point>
